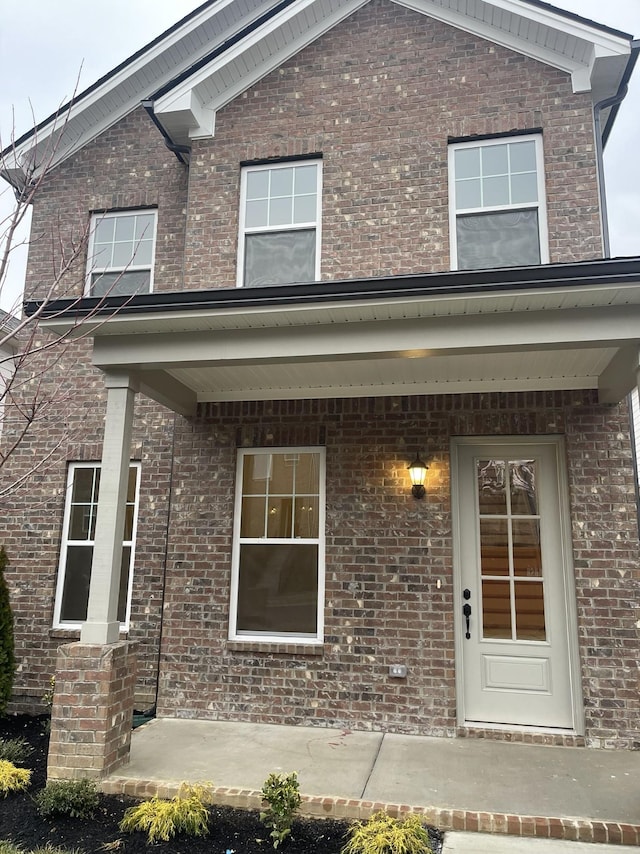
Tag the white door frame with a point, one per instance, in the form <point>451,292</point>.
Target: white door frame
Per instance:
<point>568,575</point>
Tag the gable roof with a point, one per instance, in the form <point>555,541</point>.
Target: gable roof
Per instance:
<point>204,61</point>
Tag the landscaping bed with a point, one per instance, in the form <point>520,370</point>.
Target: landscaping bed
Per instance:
<point>234,830</point>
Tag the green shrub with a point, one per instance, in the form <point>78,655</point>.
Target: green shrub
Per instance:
<point>161,819</point>
<point>383,834</point>
<point>12,779</point>
<point>7,657</point>
<point>74,798</point>
<point>280,791</point>
<point>15,750</point>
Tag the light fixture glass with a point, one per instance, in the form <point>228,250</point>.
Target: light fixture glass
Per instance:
<point>418,473</point>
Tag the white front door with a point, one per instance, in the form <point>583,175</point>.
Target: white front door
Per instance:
<point>515,603</point>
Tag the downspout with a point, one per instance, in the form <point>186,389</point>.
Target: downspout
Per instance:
<point>182,152</point>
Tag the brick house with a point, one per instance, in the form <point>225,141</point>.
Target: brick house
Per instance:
<point>438,285</point>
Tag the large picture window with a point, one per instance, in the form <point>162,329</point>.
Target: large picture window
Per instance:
<point>72,595</point>
<point>280,209</point>
<point>497,203</point>
<point>278,557</point>
<point>121,253</point>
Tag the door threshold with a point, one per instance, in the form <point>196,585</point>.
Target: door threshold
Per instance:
<point>522,734</point>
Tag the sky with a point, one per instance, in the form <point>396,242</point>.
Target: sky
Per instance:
<point>49,46</point>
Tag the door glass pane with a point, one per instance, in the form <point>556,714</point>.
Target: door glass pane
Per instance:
<point>496,609</point>
<point>491,486</point>
<point>530,610</point>
<point>527,557</point>
<point>278,588</point>
<point>494,546</point>
<point>522,481</point>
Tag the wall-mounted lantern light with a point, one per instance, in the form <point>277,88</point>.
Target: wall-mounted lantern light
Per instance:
<point>418,474</point>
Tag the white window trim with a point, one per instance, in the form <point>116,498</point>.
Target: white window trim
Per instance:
<point>94,269</point>
<point>540,205</point>
<point>243,231</point>
<point>65,543</point>
<point>311,640</point>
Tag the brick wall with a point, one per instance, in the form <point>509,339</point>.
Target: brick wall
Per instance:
<point>385,553</point>
<point>378,96</point>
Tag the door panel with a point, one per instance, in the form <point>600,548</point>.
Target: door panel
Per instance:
<point>511,560</point>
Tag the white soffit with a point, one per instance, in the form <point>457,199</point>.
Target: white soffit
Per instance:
<point>595,59</point>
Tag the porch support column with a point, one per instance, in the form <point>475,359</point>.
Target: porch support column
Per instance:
<point>102,625</point>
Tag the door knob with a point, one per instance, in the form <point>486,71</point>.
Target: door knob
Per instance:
<point>466,610</point>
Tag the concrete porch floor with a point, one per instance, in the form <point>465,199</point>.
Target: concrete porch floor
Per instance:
<point>462,784</point>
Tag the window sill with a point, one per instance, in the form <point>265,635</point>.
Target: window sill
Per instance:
<point>74,634</point>
<point>277,648</point>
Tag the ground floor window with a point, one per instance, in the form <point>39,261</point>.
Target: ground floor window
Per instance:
<point>76,553</point>
<point>278,555</point>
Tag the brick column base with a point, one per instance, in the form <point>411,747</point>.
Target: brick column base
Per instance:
<point>92,710</point>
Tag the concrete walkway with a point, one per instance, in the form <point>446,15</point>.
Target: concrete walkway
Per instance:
<point>458,784</point>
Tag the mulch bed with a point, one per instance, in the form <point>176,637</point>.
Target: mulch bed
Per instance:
<point>240,831</point>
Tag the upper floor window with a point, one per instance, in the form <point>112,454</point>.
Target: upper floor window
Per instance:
<point>277,578</point>
<point>121,252</point>
<point>280,212</point>
<point>76,553</point>
<point>497,204</point>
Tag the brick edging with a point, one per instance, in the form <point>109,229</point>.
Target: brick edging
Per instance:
<point>315,806</point>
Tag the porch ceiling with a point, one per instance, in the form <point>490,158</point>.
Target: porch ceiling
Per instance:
<point>530,329</point>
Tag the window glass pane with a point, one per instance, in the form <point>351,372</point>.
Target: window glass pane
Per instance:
<point>530,623</point>
<point>304,209</point>
<point>279,518</point>
<point>523,156</point>
<point>256,473</point>
<point>257,214</point>
<point>258,184</point>
<point>498,240</point>
<point>281,211</point>
<point>252,520</point>
<point>306,179</point>
<point>281,182</point>
<point>102,253</point>
<point>468,194</point>
<point>280,258</point>
<point>80,522</point>
<point>495,191</point>
<point>282,471</point>
<point>308,474</point>
<point>131,486</point>
<point>491,479</point>
<point>278,588</point>
<point>494,160</point>
<point>522,478</point>
<point>144,226</point>
<point>524,188</point>
<point>83,486</point>
<point>125,228</point>
<point>527,557</point>
<point>467,162</point>
<point>143,253</point>
<point>105,228</point>
<point>124,583</point>
<point>306,517</point>
<point>122,254</point>
<point>121,284</point>
<point>76,583</point>
<point>494,546</point>
<point>128,523</point>
<point>496,609</point>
